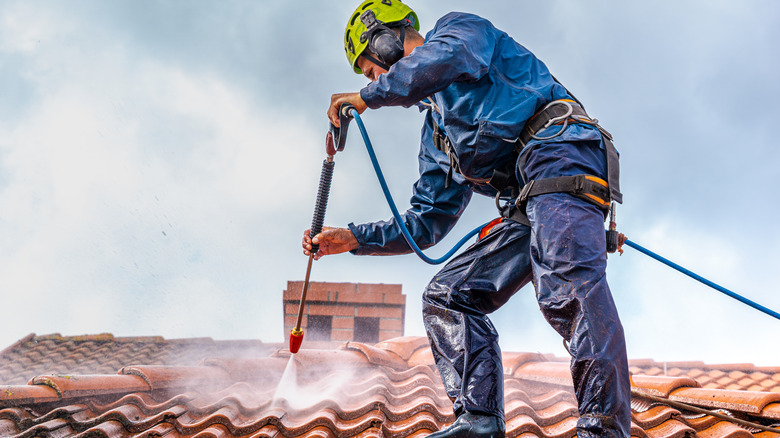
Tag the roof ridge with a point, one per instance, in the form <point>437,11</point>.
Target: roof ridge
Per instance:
<point>16,344</point>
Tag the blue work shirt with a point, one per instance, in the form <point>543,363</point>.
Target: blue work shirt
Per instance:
<point>485,86</point>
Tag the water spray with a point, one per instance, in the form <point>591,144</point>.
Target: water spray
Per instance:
<point>334,142</point>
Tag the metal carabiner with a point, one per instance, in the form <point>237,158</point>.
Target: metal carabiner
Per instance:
<point>554,120</point>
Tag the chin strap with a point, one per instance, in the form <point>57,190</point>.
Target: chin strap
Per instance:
<point>375,61</point>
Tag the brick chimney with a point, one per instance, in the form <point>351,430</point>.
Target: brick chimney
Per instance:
<point>335,313</point>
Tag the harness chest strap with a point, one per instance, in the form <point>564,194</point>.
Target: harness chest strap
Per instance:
<point>442,143</point>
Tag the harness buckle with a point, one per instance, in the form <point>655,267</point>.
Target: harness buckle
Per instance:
<point>523,196</point>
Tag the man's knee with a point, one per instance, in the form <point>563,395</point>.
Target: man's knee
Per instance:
<point>436,294</point>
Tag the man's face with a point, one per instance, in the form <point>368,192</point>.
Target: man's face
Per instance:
<point>370,70</point>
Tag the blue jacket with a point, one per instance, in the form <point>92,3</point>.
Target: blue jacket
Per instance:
<point>485,87</point>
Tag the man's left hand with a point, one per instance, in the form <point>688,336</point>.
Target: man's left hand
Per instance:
<point>335,103</point>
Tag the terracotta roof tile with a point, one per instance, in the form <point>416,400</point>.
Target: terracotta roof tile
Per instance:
<point>405,346</point>
<point>26,394</point>
<point>422,356</point>
<point>772,410</point>
<point>390,389</point>
<point>512,361</point>
<point>556,373</point>
<point>654,416</point>
<point>724,429</point>
<point>163,377</point>
<point>742,401</point>
<point>661,386</point>
<point>95,384</point>
<point>105,354</point>
<point>671,429</point>
<point>729,376</point>
<point>377,356</point>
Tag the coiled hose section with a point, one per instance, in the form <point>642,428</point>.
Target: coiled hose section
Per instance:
<point>396,215</point>
<point>326,176</point>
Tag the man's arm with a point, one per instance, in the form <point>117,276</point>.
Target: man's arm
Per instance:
<point>434,210</point>
<point>460,48</point>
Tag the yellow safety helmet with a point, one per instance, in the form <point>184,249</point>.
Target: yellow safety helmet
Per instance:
<point>369,25</point>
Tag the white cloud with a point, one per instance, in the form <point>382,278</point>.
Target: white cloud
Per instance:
<point>130,178</point>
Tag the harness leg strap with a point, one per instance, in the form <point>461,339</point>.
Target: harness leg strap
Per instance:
<point>588,187</point>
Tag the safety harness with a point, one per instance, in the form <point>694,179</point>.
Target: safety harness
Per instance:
<point>563,112</point>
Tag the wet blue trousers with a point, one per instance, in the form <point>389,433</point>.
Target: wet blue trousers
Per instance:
<point>564,252</point>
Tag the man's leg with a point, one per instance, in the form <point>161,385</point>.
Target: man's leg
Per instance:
<point>568,252</point>
<point>455,303</point>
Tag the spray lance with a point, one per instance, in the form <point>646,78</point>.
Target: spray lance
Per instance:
<point>334,142</point>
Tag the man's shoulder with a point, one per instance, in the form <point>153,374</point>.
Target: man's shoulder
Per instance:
<point>460,18</point>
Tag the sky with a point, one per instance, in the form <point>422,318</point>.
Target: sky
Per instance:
<point>159,162</point>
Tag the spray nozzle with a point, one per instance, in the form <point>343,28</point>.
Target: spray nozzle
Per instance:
<point>296,338</point>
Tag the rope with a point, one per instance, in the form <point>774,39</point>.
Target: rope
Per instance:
<point>701,279</point>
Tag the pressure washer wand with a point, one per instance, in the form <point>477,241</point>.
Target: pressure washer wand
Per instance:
<point>334,142</point>
<point>296,335</point>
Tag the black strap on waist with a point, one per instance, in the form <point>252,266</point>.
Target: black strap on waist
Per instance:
<point>588,187</point>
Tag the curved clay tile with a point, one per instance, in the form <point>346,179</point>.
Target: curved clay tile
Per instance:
<point>661,386</point>
<point>724,429</point>
<point>742,401</point>
<point>17,395</point>
<point>512,361</point>
<point>557,373</point>
<point>405,346</point>
<point>377,356</point>
<point>422,356</point>
<point>671,429</point>
<point>97,384</point>
<point>522,424</point>
<point>164,377</point>
<point>771,410</point>
<point>656,415</point>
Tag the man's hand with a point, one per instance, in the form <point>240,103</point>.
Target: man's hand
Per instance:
<point>331,241</point>
<point>335,103</point>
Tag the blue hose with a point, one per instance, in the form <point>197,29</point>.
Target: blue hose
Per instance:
<point>401,224</point>
<point>445,257</point>
<point>717,287</point>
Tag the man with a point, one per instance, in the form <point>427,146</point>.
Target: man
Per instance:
<point>497,123</point>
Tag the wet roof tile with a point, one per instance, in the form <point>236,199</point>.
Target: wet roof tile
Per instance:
<point>389,389</point>
<point>72,386</point>
<point>723,376</point>
<point>105,354</point>
<point>661,386</point>
<point>742,401</point>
